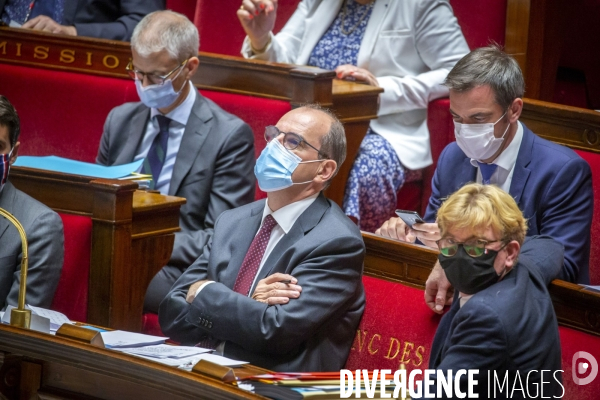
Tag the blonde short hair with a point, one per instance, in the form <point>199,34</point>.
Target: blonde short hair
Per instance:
<point>480,207</point>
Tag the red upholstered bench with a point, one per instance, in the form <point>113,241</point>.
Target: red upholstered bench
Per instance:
<point>573,341</point>
<point>62,113</point>
<point>593,160</point>
<point>71,297</point>
<point>396,328</point>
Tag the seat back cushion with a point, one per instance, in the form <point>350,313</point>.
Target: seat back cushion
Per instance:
<point>573,341</point>
<point>71,295</point>
<point>396,328</point>
<point>220,29</point>
<point>62,113</point>
<point>256,112</point>
<point>593,160</point>
<point>185,7</point>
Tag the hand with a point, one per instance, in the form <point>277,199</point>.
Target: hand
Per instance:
<point>272,291</point>
<point>395,228</point>
<point>438,290</point>
<point>353,73</point>
<point>427,233</point>
<point>47,24</point>
<point>258,20</point>
<point>191,294</point>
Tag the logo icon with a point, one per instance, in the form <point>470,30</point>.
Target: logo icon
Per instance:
<point>582,368</point>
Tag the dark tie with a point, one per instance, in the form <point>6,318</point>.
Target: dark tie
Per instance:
<point>487,170</point>
<point>248,269</point>
<point>155,158</point>
<point>254,256</point>
<point>52,8</point>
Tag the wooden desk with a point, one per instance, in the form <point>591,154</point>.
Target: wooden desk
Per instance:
<point>38,365</point>
<point>354,103</point>
<point>132,237</point>
<point>411,264</point>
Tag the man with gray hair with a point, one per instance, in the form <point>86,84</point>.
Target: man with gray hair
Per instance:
<point>551,183</point>
<point>279,285</point>
<point>190,146</point>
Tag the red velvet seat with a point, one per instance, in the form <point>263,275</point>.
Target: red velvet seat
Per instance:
<point>71,295</point>
<point>593,160</point>
<point>185,7</point>
<point>396,327</point>
<point>573,341</point>
<point>62,113</point>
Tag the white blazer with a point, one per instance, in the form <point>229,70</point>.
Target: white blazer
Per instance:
<point>409,45</point>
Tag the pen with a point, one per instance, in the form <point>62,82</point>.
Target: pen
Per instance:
<point>286,281</point>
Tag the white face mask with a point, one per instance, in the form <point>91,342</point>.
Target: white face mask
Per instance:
<point>158,96</point>
<point>477,141</point>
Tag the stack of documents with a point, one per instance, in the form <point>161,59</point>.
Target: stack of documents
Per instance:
<point>68,166</point>
<point>154,348</point>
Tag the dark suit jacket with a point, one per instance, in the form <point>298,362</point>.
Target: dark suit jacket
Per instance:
<point>323,250</point>
<point>44,230</point>
<point>552,186</point>
<point>510,326</point>
<point>106,19</point>
<point>213,169</point>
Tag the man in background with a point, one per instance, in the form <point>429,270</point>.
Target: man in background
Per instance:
<point>190,146</point>
<point>43,228</point>
<point>551,184</point>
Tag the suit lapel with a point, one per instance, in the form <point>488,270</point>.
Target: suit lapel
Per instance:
<point>138,128</point>
<point>380,10</point>
<point>467,174</point>
<point>317,24</point>
<point>7,196</point>
<point>69,12</point>
<point>304,224</point>
<point>198,127</point>
<point>521,172</point>
<point>246,229</point>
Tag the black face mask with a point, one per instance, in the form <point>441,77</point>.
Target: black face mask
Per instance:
<point>470,275</point>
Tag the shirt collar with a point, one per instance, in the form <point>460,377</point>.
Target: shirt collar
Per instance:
<point>286,216</point>
<point>507,159</point>
<point>182,112</point>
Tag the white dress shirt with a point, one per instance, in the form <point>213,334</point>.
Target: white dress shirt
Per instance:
<point>286,217</point>
<point>179,117</point>
<point>506,161</point>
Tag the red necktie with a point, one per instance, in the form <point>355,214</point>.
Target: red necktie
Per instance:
<point>254,256</point>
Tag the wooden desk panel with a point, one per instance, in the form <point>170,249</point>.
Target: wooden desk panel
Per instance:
<point>38,364</point>
<point>132,237</point>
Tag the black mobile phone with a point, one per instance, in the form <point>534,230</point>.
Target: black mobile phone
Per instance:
<point>410,217</point>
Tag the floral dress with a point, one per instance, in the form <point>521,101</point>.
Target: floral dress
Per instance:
<point>377,174</point>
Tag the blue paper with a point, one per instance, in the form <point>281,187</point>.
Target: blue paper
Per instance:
<point>67,166</point>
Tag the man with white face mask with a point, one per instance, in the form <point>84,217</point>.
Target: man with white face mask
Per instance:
<point>280,283</point>
<point>551,184</point>
<point>43,227</point>
<point>190,146</point>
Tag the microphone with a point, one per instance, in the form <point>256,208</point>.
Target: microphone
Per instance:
<point>19,316</point>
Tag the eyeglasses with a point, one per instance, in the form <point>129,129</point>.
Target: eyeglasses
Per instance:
<point>291,140</point>
<point>473,247</point>
<point>152,78</point>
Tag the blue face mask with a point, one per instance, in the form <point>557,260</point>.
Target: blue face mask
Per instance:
<point>4,168</point>
<point>158,96</point>
<point>275,166</point>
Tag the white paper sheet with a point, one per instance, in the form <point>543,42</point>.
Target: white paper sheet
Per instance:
<point>129,339</point>
<point>165,351</point>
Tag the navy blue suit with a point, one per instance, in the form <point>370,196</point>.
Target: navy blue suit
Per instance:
<point>510,326</point>
<point>105,19</point>
<point>552,186</point>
